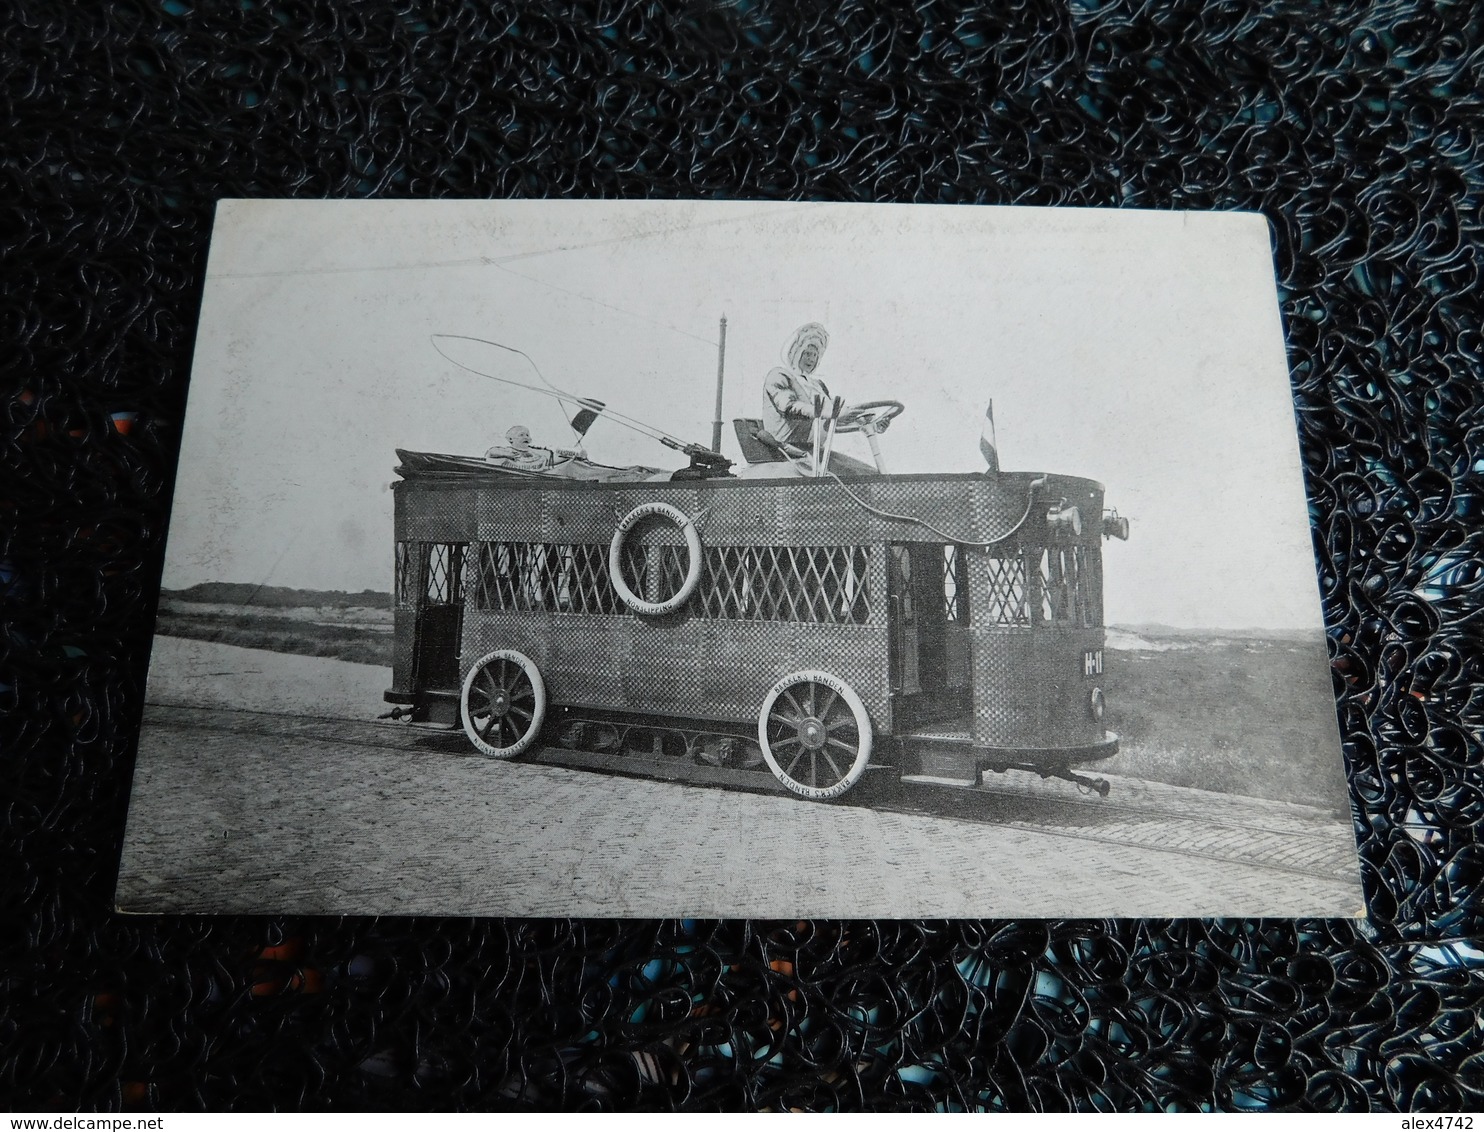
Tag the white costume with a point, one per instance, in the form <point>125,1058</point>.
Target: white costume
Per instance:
<point>788,409</point>
<point>524,456</point>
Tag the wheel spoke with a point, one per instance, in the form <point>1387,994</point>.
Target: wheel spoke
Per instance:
<point>799,711</point>
<point>802,752</point>
<point>522,713</point>
<point>813,769</point>
<point>511,673</point>
<point>492,689</point>
<point>787,721</point>
<point>486,727</point>
<point>845,727</point>
<point>826,756</point>
<point>781,743</point>
<point>844,746</point>
<point>843,717</point>
<point>824,712</point>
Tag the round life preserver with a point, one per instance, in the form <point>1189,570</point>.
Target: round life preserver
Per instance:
<point>693,565</point>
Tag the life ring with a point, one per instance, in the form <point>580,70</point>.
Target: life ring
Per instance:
<point>693,566</point>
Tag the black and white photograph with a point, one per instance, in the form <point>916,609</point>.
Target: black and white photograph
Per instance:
<point>730,559</point>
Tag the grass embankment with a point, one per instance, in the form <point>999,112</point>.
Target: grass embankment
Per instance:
<point>276,597</point>
<point>342,626</point>
<point>1243,715</point>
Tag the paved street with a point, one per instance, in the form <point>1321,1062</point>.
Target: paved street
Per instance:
<point>237,811</point>
<point>207,674</point>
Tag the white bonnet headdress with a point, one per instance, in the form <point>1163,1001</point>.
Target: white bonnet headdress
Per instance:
<point>810,334</point>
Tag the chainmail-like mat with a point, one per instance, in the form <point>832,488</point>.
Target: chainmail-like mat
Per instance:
<point>1355,126</point>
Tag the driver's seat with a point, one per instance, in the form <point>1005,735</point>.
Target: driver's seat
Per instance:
<point>759,446</point>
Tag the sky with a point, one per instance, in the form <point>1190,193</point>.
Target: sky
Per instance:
<point>1140,349</point>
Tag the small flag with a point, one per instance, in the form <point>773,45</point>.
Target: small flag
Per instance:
<point>987,445</point>
<point>585,417</point>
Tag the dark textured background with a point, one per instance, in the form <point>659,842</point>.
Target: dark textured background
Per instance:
<point>1355,127</point>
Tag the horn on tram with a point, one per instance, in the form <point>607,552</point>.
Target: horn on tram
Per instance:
<point>1064,521</point>
<point>1115,526</point>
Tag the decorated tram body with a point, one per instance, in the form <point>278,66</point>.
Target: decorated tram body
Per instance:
<point>770,629</point>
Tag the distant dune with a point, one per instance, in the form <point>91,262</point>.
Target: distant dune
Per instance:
<point>279,597</point>
<point>325,623</point>
<point>1153,631</point>
<point>1162,638</point>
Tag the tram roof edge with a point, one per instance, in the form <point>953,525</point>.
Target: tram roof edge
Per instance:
<point>452,471</point>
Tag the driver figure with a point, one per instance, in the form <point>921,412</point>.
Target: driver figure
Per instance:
<point>791,390</point>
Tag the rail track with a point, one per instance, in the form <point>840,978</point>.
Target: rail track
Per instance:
<point>1288,839</point>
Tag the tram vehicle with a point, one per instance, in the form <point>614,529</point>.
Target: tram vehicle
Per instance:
<point>790,625</point>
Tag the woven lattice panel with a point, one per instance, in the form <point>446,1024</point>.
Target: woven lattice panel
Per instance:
<point>1354,127</point>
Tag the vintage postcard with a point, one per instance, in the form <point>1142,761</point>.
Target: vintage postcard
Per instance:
<point>581,558</point>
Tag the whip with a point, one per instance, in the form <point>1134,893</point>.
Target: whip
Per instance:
<point>591,407</point>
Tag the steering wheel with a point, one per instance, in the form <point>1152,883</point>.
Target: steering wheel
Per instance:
<point>869,416</point>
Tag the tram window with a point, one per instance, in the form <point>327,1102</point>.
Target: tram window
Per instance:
<point>428,573</point>
<point>443,573</point>
<point>653,570</point>
<point>554,578</point>
<point>1090,585</point>
<point>584,585</point>
<point>901,563</point>
<point>1008,602</point>
<point>728,592</point>
<point>787,583</point>
<point>955,589</point>
<point>1070,585</point>
<point>404,575</point>
<point>831,585</point>
<point>506,577</point>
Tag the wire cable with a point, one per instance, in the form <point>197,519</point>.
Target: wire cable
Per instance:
<point>1030,502</point>
<point>561,395</point>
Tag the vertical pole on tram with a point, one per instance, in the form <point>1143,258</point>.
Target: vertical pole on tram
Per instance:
<point>721,361</point>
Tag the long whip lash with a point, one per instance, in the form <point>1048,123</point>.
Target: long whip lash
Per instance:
<point>562,396</point>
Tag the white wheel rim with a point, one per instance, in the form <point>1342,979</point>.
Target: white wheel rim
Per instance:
<point>816,736</point>
<point>693,556</point>
<point>524,713</point>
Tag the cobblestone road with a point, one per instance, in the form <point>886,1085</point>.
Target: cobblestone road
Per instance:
<point>250,812</point>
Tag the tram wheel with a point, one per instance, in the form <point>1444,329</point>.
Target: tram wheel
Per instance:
<point>503,703</point>
<point>815,734</point>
